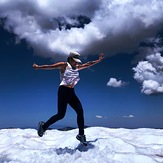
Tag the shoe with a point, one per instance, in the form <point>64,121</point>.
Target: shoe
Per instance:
<point>40,130</point>
<point>81,138</point>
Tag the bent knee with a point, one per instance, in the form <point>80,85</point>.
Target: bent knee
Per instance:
<point>60,116</point>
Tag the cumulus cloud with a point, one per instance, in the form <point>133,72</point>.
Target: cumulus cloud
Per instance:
<point>89,27</point>
<point>113,82</point>
<point>150,74</point>
<point>148,47</point>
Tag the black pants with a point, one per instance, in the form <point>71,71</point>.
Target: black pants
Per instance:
<point>67,96</point>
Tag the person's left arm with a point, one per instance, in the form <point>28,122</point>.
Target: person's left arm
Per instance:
<point>91,63</point>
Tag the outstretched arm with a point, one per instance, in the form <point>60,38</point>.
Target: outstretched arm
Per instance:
<point>58,65</point>
<point>91,63</point>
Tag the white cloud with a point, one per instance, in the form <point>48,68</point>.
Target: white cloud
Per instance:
<point>115,83</point>
<point>129,116</point>
<point>115,25</point>
<point>150,74</point>
<point>99,116</point>
<point>151,87</point>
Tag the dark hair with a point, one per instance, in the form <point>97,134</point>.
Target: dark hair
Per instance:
<point>68,59</point>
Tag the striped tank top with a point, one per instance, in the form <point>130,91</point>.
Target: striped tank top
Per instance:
<point>70,76</point>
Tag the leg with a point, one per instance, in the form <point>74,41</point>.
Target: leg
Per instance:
<point>76,105</point>
<point>62,105</point>
<point>60,115</point>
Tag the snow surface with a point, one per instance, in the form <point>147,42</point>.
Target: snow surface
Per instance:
<point>105,146</point>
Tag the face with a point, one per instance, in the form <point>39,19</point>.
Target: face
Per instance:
<point>73,63</point>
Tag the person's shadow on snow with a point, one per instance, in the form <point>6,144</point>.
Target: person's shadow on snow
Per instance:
<point>80,148</point>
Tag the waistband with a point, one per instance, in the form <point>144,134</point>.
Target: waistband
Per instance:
<point>66,86</point>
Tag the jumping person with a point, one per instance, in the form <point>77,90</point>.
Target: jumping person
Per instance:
<point>69,76</point>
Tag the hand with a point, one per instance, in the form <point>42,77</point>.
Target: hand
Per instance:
<point>101,57</point>
<point>35,65</point>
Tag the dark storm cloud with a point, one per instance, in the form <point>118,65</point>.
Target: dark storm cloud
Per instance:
<point>89,27</point>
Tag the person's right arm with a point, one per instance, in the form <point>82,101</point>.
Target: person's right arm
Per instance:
<point>58,65</point>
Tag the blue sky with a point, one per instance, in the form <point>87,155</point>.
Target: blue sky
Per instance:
<point>134,97</point>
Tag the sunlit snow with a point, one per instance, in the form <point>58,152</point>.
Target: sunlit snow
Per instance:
<point>105,145</point>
